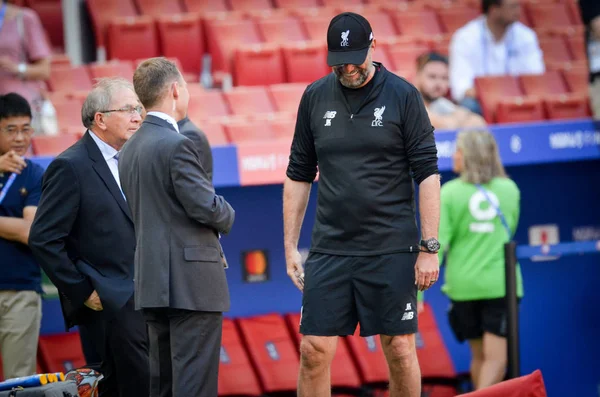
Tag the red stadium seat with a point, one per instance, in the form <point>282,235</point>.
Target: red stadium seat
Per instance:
<point>132,38</point>
<point>296,3</point>
<point>281,30</point>
<point>249,101</point>
<point>369,358</point>
<point>156,8</point>
<point>248,5</point>
<point>260,64</point>
<point>577,46</point>
<point>206,105</point>
<point>531,385</point>
<point>549,15</point>
<point>68,114</point>
<point>316,25</point>
<point>434,358</point>
<point>405,57</point>
<point>69,78</point>
<point>282,127</point>
<point>214,131</point>
<point>51,16</point>
<point>236,375</point>
<point>225,36</point>
<point>241,129</point>
<point>305,62</point>
<point>181,37</point>
<point>206,5</point>
<point>272,351</point>
<point>455,18</point>
<point>286,97</point>
<point>578,80</point>
<point>114,68</point>
<point>59,352</point>
<point>343,371</point>
<point>503,101</point>
<point>555,49</point>
<point>341,3</point>
<point>103,12</point>
<point>413,23</point>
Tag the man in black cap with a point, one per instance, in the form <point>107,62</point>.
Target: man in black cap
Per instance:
<point>369,134</point>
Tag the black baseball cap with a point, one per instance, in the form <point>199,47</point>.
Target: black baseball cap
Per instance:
<point>349,37</point>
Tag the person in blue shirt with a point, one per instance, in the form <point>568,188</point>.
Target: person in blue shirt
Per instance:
<point>20,275</point>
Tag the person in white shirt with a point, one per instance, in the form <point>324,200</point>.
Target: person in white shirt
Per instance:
<point>432,82</point>
<point>495,43</point>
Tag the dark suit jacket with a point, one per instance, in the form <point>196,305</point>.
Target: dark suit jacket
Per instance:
<point>188,129</point>
<point>82,234</point>
<point>177,215</point>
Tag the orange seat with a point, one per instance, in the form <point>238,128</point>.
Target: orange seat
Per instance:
<point>286,97</point>
<point>261,64</point>
<point>225,36</point>
<point>132,38</point>
<point>114,68</point>
<point>281,30</point>
<point>305,62</point>
<point>236,375</point>
<point>156,8</point>
<point>343,371</point>
<point>206,105</point>
<point>181,37</point>
<point>60,352</point>
<point>249,100</point>
<point>69,78</point>
<point>272,352</point>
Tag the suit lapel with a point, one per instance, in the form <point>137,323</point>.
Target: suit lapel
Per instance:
<point>104,173</point>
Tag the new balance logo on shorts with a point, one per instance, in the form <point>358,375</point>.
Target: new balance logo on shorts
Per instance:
<point>408,313</point>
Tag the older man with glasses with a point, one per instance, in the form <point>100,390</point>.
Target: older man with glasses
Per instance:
<point>83,237</point>
<point>20,276</point>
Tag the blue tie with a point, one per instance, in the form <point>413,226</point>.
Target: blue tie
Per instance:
<point>116,157</point>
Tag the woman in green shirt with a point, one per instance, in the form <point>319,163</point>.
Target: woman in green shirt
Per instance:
<point>479,213</point>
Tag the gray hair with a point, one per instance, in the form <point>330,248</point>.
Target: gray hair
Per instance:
<point>101,96</point>
<point>480,157</point>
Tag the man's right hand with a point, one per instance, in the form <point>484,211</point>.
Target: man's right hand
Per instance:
<point>93,302</point>
<point>12,162</point>
<point>293,261</point>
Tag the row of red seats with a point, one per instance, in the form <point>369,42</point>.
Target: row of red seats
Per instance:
<point>51,16</point>
<point>261,355</point>
<point>135,36</point>
<point>553,95</point>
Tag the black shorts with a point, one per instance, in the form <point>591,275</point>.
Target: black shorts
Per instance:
<point>470,319</point>
<point>379,292</point>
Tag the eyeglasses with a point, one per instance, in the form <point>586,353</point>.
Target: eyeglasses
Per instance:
<point>127,109</point>
<point>12,132</point>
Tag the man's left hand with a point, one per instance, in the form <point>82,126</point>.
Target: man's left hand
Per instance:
<point>427,270</point>
<point>7,65</point>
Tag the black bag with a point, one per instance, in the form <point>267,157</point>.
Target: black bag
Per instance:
<point>57,389</point>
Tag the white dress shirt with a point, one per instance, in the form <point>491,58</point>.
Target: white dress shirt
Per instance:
<point>474,52</point>
<point>165,117</point>
<point>109,153</point>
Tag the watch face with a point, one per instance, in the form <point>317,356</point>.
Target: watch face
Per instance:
<point>433,245</point>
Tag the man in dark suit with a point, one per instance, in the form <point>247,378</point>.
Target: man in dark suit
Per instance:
<point>180,281</point>
<point>188,129</point>
<point>83,237</point>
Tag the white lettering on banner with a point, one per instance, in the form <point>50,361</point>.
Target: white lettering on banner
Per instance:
<point>574,139</point>
<point>586,233</point>
<point>515,143</point>
<point>265,162</point>
<point>446,149</point>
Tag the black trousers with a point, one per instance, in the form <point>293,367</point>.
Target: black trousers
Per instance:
<point>122,342</point>
<point>184,352</point>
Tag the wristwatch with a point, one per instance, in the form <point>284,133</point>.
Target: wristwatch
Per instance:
<point>21,69</point>
<point>431,245</point>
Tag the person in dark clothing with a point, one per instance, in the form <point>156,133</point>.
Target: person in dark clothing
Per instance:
<point>196,135</point>
<point>368,133</point>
